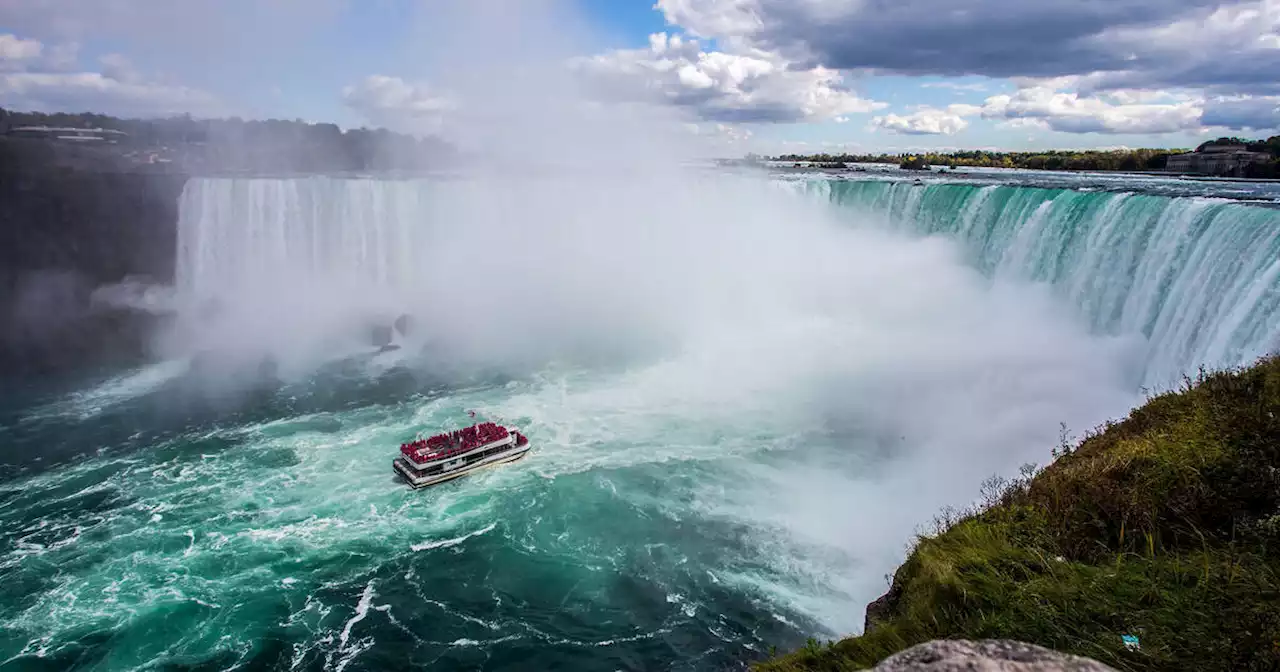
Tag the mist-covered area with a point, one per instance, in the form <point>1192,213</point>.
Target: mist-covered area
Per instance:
<point>743,395</point>
<point>742,407</point>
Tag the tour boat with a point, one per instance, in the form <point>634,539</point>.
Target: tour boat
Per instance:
<point>446,456</point>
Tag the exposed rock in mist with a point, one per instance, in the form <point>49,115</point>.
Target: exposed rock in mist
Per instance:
<point>381,336</point>
<point>404,324</point>
<point>993,655</point>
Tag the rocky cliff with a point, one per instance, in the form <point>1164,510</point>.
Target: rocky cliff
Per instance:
<point>64,232</point>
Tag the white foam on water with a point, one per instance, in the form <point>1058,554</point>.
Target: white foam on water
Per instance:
<point>85,404</point>
<point>448,543</point>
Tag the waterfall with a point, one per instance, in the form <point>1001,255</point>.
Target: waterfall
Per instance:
<point>1199,278</point>
<point>232,231</point>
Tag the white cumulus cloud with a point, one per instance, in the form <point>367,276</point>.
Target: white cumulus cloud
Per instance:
<point>17,53</point>
<point>394,103</point>
<point>1070,112</point>
<point>34,77</point>
<point>741,86</point>
<point>928,120</point>
<point>1114,66</point>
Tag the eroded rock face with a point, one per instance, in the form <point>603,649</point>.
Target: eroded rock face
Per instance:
<point>65,234</point>
<point>993,655</point>
<point>381,336</point>
<point>881,609</point>
<point>404,324</point>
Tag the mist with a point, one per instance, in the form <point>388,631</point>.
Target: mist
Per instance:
<point>580,237</point>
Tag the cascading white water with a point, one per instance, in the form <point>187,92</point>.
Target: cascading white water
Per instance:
<point>235,231</point>
<point>1199,278</point>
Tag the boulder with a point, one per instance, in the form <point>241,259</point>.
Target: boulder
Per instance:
<point>992,655</point>
<point>381,336</point>
<point>404,324</point>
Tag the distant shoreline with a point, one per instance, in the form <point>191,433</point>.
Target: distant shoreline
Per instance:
<point>959,170</point>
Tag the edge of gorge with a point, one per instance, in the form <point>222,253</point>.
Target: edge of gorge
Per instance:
<point>1164,527</point>
<point>65,231</point>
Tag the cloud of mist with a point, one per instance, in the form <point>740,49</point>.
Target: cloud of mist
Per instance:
<point>507,65</point>
<point>726,299</point>
<point>850,383</point>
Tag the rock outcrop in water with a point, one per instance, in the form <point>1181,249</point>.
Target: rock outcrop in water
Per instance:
<point>381,336</point>
<point>404,324</point>
<point>986,656</point>
<point>1151,545</point>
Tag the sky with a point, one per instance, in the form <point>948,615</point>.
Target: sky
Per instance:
<point>771,76</point>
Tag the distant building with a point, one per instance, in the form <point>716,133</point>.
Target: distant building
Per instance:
<point>1217,160</point>
<point>69,134</point>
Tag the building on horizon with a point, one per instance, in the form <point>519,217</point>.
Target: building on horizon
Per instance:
<point>69,133</point>
<point>1217,160</point>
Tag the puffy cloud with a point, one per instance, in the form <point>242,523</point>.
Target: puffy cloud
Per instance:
<point>1228,46</point>
<point>1070,112</point>
<point>34,79</point>
<point>97,92</point>
<point>119,68</point>
<point>928,120</point>
<point>1246,113</point>
<point>179,26</point>
<point>1235,48</point>
<point>1115,112</point>
<point>741,86</point>
<point>17,53</point>
<point>24,54</point>
<point>1081,66</point>
<point>395,103</point>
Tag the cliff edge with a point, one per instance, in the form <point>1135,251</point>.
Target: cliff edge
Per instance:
<point>66,230</point>
<point>1154,544</point>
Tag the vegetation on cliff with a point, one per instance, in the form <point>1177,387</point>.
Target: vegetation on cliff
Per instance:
<point>1121,159</point>
<point>1092,160</point>
<point>1165,526</point>
<point>234,144</point>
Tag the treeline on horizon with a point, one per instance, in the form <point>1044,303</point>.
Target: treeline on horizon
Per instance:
<point>1096,160</point>
<point>1108,160</point>
<point>231,144</point>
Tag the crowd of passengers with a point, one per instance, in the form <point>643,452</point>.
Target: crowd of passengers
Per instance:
<point>455,442</point>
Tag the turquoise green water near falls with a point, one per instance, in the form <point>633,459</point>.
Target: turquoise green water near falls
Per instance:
<point>741,402</point>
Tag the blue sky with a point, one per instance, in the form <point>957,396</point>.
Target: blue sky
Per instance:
<point>752,75</point>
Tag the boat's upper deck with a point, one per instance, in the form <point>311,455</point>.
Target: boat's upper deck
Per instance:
<point>448,445</point>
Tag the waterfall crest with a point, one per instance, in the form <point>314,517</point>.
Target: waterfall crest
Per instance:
<point>1199,278</point>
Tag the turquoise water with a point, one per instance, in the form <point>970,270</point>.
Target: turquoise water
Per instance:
<point>741,401</point>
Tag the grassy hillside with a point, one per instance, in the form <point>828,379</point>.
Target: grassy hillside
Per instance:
<point>1165,526</point>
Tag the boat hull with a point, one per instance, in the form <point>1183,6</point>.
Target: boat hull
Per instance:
<point>416,480</point>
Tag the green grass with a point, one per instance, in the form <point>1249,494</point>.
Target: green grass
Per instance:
<point>1165,525</point>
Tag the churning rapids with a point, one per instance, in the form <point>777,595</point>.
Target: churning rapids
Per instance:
<point>743,399</point>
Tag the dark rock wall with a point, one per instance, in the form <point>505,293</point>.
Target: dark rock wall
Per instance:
<point>65,231</point>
